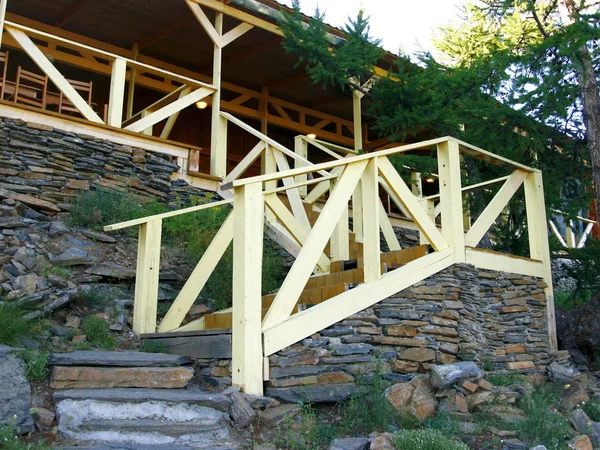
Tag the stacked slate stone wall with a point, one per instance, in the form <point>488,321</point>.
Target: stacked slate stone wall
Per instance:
<point>53,165</point>
<point>462,313</point>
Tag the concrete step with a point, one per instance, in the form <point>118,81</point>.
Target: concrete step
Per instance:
<point>146,417</point>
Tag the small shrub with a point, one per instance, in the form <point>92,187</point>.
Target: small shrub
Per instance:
<point>63,272</point>
<point>9,440</point>
<point>13,323</point>
<point>592,409</point>
<point>97,333</point>
<point>36,364</point>
<point>97,207</point>
<point>426,440</point>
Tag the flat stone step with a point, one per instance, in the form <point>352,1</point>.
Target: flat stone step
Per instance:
<point>121,359</point>
<point>136,447</point>
<point>211,400</point>
<point>149,423</point>
<point>75,377</point>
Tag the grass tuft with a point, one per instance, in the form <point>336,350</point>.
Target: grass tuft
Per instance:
<point>97,333</point>
<point>36,364</point>
<point>10,441</point>
<point>13,324</point>
<point>592,409</point>
<point>505,379</point>
<point>427,439</point>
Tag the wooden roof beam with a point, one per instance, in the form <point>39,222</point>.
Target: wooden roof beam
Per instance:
<point>287,81</point>
<point>70,12</point>
<point>174,26</point>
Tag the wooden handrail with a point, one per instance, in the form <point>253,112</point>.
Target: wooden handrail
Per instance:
<point>131,62</point>
<point>388,152</point>
<point>142,220</point>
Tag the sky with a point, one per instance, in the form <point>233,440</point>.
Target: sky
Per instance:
<point>401,24</point>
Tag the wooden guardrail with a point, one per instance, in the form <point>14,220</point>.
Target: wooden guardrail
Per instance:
<point>258,197</point>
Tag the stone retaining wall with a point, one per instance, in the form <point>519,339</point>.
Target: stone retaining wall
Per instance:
<point>462,313</point>
<point>52,165</point>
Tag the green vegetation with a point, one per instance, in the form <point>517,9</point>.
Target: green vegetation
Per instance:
<point>36,364</point>
<point>150,346</point>
<point>64,272</point>
<point>97,333</point>
<point>9,440</point>
<point>543,424</point>
<point>13,324</point>
<point>592,409</point>
<point>507,379</point>
<point>100,206</point>
<point>191,233</point>
<point>426,440</point>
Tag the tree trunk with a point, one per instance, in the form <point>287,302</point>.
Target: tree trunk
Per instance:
<point>590,96</point>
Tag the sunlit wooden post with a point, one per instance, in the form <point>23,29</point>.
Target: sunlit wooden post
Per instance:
<point>538,243</point>
<point>247,353</point>
<point>357,225</point>
<point>451,197</point>
<point>218,139</point>
<point>117,93</point>
<point>370,219</point>
<point>2,17</point>
<point>301,149</point>
<point>146,277</point>
<point>340,243</point>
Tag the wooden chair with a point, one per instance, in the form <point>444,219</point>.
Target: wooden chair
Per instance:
<point>28,81</point>
<point>84,88</point>
<point>4,61</point>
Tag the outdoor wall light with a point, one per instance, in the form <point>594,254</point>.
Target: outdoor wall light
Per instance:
<point>201,105</point>
<point>311,136</point>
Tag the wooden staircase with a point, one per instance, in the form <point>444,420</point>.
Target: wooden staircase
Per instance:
<point>344,275</point>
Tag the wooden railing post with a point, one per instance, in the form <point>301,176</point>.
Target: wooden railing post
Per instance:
<point>370,219</point>
<point>2,17</point>
<point>451,197</point>
<point>247,352</point>
<point>301,149</point>
<point>340,242</point>
<point>218,138</point>
<point>117,93</point>
<point>538,243</point>
<point>146,278</point>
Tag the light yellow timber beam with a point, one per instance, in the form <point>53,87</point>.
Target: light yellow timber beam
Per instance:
<point>494,208</point>
<point>247,356</point>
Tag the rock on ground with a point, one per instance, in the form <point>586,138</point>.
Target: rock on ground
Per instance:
<point>415,397</point>
<point>123,359</point>
<point>349,444</point>
<point>15,393</point>
<point>446,375</point>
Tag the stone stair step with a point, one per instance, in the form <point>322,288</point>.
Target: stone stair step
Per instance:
<point>154,423</point>
<point>74,377</point>
<point>122,359</point>
<point>134,447</point>
<point>210,400</point>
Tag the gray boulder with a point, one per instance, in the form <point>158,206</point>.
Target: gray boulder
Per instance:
<point>561,373</point>
<point>15,394</point>
<point>350,444</point>
<point>448,374</point>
